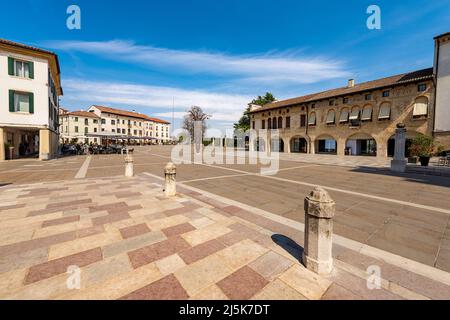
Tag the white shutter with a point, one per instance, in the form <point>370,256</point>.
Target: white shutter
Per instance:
<point>355,114</point>
<point>385,111</point>
<point>344,116</point>
<point>330,117</point>
<point>367,113</point>
<point>421,107</point>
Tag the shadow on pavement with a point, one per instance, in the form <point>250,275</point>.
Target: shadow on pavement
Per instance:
<point>289,245</point>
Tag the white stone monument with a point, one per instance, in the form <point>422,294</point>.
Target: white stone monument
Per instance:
<point>319,212</point>
<point>129,166</point>
<point>170,173</point>
<point>399,162</point>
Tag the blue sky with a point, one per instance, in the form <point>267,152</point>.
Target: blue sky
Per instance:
<point>147,55</point>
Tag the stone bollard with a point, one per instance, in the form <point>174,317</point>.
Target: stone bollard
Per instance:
<point>129,167</point>
<point>170,173</point>
<point>319,211</point>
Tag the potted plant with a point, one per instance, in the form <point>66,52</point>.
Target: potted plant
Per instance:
<point>423,147</point>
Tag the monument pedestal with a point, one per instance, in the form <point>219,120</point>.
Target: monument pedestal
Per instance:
<point>398,165</point>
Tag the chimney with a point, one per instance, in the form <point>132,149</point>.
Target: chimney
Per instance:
<point>351,83</point>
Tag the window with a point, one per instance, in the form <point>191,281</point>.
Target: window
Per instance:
<point>103,121</point>
<point>123,131</point>
<point>344,116</point>
<point>113,122</point>
<point>263,124</point>
<point>355,114</point>
<point>95,121</point>
<point>367,113</point>
<point>274,123</point>
<point>114,130</point>
<point>312,119</point>
<point>331,103</point>
<point>288,122</point>
<point>21,102</point>
<point>269,124</point>
<point>386,94</point>
<point>76,119</point>
<point>253,125</point>
<point>76,129</point>
<point>103,129</point>
<point>345,100</point>
<point>280,123</point>
<point>86,130</point>
<point>123,121</point>
<point>95,130</point>
<point>302,120</point>
<point>385,111</point>
<point>86,122</point>
<point>420,107</point>
<point>331,117</point>
<point>422,87</point>
<point>18,68</point>
<point>368,97</point>
<point>135,132</point>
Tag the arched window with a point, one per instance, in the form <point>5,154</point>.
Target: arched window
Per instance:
<point>385,111</point>
<point>355,114</point>
<point>420,107</point>
<point>312,119</point>
<point>367,113</point>
<point>269,124</point>
<point>274,123</point>
<point>280,123</point>
<point>263,124</point>
<point>331,117</point>
<point>344,115</point>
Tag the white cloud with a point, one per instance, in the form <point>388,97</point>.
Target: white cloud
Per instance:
<point>225,107</point>
<point>283,67</point>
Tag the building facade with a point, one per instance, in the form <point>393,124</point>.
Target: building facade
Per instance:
<point>360,119</point>
<point>30,88</point>
<point>78,125</point>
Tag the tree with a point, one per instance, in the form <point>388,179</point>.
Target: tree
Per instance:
<point>193,116</point>
<point>244,122</point>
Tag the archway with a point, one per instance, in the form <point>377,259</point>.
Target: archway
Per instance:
<point>361,144</point>
<point>277,145</point>
<point>299,145</point>
<point>326,145</point>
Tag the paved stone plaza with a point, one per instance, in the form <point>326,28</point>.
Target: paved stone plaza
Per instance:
<point>229,234</point>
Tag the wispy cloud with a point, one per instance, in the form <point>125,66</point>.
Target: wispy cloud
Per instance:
<point>227,107</point>
<point>288,66</point>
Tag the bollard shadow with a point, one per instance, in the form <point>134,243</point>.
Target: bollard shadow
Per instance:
<point>292,247</point>
<point>4,184</point>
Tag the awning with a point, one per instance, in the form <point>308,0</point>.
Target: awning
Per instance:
<point>367,113</point>
<point>385,111</point>
<point>355,114</point>
<point>344,116</point>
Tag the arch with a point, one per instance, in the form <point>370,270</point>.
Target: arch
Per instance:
<point>299,144</point>
<point>331,117</point>
<point>361,144</point>
<point>344,115</point>
<point>420,107</point>
<point>326,144</point>
<point>277,145</point>
<point>274,123</point>
<point>280,123</point>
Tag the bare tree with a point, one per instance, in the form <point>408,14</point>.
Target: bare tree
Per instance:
<point>195,117</point>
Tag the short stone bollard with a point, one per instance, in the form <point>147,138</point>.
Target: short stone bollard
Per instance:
<point>170,173</point>
<point>319,211</point>
<point>129,166</point>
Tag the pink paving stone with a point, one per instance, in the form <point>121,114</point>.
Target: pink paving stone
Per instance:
<point>201,251</point>
<point>157,251</point>
<point>134,231</point>
<point>178,229</point>
<point>54,267</point>
<point>243,284</point>
<point>337,292</point>
<point>110,218</point>
<point>168,288</point>
<point>59,221</point>
<point>232,209</point>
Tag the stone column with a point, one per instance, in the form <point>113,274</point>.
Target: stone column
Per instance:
<point>44,144</point>
<point>170,173</point>
<point>129,166</point>
<point>319,211</point>
<point>2,145</point>
<point>399,162</point>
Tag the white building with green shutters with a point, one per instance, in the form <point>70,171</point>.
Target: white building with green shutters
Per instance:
<point>30,87</point>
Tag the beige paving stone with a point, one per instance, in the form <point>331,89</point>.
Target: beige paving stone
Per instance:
<point>202,274</point>
<point>117,286</point>
<point>12,280</point>
<point>43,290</point>
<point>104,270</point>
<point>201,222</point>
<point>278,290</point>
<point>170,264</point>
<point>211,293</point>
<point>271,265</point>
<point>309,284</point>
<point>23,259</point>
<point>33,220</point>
<point>16,235</point>
<point>241,253</point>
<point>133,243</point>
<point>213,231</point>
<point>53,230</point>
<point>163,223</point>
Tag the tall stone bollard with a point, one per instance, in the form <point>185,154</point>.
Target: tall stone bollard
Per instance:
<point>170,173</point>
<point>319,211</point>
<point>129,166</point>
<point>399,162</point>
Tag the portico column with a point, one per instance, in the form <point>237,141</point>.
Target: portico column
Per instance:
<point>340,145</point>
<point>312,146</point>
<point>2,145</point>
<point>44,144</point>
<point>287,145</point>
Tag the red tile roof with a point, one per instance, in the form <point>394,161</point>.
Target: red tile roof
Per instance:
<point>85,114</point>
<point>420,75</point>
<point>129,114</point>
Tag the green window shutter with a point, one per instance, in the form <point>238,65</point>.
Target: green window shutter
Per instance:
<point>31,69</point>
<point>31,95</point>
<point>11,101</point>
<point>10,66</point>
